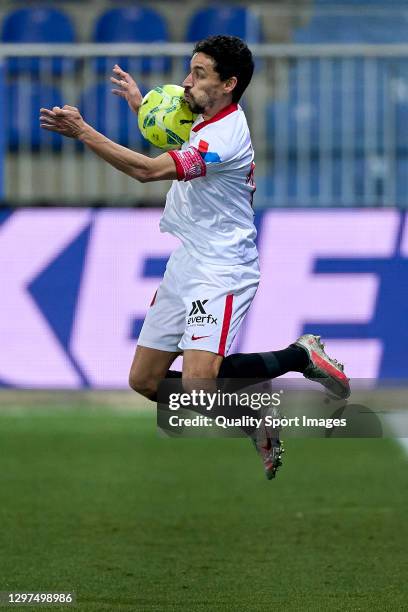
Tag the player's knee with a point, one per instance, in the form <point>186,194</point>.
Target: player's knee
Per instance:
<point>203,372</point>
<point>198,380</point>
<point>144,385</point>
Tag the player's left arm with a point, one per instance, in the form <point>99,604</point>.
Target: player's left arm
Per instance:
<point>68,121</point>
<point>126,88</point>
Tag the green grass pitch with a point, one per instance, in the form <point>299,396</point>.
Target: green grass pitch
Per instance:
<point>93,500</point>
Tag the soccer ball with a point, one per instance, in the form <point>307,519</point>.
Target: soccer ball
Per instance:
<point>165,118</point>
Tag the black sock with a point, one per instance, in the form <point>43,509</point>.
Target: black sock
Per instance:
<point>173,374</point>
<point>264,365</point>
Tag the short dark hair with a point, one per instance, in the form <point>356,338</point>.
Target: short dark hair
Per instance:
<point>231,58</point>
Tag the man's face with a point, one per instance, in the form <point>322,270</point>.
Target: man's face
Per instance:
<point>202,87</point>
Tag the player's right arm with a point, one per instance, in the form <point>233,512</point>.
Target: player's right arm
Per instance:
<point>68,121</point>
<point>140,167</point>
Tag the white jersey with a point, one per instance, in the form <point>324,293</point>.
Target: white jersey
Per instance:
<point>209,206</point>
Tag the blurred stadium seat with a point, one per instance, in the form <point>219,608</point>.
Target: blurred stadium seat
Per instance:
<point>321,119</point>
<point>399,93</point>
<point>137,25</point>
<point>361,3</point>
<point>111,115</point>
<point>402,177</point>
<point>354,28</point>
<point>38,25</point>
<point>346,111</point>
<point>332,180</point>
<point>230,20</point>
<point>364,118</point>
<point>23,102</point>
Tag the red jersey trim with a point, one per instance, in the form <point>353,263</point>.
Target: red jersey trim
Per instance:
<point>225,324</point>
<point>220,115</point>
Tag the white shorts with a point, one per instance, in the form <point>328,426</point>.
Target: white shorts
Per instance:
<point>199,306</point>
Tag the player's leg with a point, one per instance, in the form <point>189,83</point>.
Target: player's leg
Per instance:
<point>160,335</point>
<point>216,301</point>
<point>215,308</point>
<point>306,355</point>
<point>264,366</point>
<point>149,367</point>
<point>205,365</point>
<point>200,369</point>
<point>214,316</point>
<point>198,364</point>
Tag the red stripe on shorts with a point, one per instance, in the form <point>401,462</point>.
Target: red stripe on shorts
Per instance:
<point>154,299</point>
<point>225,324</point>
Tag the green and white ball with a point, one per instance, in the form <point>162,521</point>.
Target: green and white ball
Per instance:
<point>165,118</point>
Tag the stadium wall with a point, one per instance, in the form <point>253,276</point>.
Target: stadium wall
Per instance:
<point>76,285</point>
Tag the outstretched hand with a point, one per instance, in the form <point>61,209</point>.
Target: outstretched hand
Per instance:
<point>128,88</point>
<point>66,120</point>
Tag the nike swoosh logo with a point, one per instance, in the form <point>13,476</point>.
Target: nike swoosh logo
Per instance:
<point>193,337</point>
